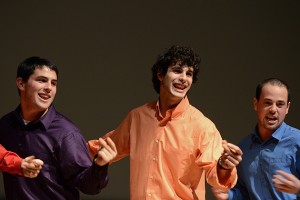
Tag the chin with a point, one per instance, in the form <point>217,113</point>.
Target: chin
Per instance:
<point>44,107</point>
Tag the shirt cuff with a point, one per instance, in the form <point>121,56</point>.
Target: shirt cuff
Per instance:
<point>230,195</point>
<point>101,172</point>
<point>17,164</point>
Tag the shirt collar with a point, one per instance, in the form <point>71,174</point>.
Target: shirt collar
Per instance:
<point>45,120</point>
<point>278,134</point>
<point>174,112</point>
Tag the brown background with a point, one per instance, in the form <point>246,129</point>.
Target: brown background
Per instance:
<point>105,50</point>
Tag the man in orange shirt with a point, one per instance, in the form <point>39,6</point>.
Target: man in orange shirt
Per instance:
<point>172,146</point>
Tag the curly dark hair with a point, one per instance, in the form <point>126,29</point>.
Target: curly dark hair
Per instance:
<point>182,54</point>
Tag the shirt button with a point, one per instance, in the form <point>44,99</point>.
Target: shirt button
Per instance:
<point>149,195</point>
<point>154,159</point>
<point>156,140</point>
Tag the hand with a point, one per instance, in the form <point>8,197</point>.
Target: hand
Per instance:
<point>219,194</point>
<point>231,156</point>
<point>285,182</point>
<point>31,167</point>
<point>107,152</point>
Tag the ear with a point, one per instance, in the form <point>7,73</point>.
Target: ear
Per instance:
<point>288,107</point>
<point>20,83</point>
<point>160,76</point>
<point>255,103</point>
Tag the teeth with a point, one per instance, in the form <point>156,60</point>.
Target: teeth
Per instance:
<point>43,96</point>
<point>179,86</point>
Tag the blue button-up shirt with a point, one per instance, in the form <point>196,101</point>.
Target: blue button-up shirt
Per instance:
<point>262,159</point>
<point>59,143</point>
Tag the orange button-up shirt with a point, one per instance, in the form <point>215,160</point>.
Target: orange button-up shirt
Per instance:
<point>171,156</point>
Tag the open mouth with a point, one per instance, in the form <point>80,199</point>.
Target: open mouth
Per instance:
<point>271,120</point>
<point>179,86</point>
<point>44,96</point>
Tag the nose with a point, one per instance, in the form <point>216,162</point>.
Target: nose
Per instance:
<point>183,77</point>
<point>48,86</point>
<point>273,108</point>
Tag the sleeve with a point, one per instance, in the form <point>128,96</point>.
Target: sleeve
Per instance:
<point>211,149</point>
<point>77,168</point>
<point>120,136</point>
<point>297,160</point>
<point>238,192</point>
<point>10,162</point>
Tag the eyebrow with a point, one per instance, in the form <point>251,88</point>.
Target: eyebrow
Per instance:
<point>46,78</point>
<point>181,67</point>
<point>280,101</point>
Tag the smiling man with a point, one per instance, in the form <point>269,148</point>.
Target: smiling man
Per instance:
<point>173,147</point>
<point>36,128</point>
<point>271,154</point>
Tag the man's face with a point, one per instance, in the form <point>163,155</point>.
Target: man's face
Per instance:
<point>177,81</point>
<point>39,91</point>
<point>271,108</point>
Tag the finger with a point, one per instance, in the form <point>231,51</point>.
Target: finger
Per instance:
<point>102,143</point>
<point>233,161</point>
<point>111,144</point>
<point>38,162</point>
<point>225,146</point>
<point>286,175</point>
<point>103,157</point>
<point>29,158</point>
<point>107,154</point>
<point>234,149</point>
<point>34,164</point>
<point>279,179</point>
<point>229,164</point>
<point>31,174</point>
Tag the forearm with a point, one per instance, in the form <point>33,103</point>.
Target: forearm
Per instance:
<point>92,180</point>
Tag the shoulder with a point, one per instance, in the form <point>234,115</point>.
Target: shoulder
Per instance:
<point>63,122</point>
<point>7,116</point>
<point>291,133</point>
<point>59,126</point>
<point>147,107</point>
<point>9,119</point>
<point>246,141</point>
<point>194,114</point>
<point>292,129</point>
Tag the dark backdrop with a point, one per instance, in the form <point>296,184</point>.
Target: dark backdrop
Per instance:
<point>105,49</point>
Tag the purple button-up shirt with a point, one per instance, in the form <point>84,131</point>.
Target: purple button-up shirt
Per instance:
<point>59,143</point>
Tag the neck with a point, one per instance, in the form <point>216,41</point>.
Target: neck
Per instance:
<point>265,134</point>
<point>166,104</point>
<point>32,115</point>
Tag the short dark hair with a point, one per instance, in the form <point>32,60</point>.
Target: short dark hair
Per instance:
<point>184,55</point>
<point>26,68</point>
<point>272,81</point>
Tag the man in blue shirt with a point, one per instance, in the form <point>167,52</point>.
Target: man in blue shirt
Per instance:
<point>270,168</point>
<point>36,128</point>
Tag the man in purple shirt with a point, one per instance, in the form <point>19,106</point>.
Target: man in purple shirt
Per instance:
<point>36,128</point>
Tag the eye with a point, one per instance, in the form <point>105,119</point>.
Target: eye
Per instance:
<point>189,74</point>
<point>42,80</point>
<point>267,103</point>
<point>177,71</point>
<point>54,83</point>
<point>280,105</point>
